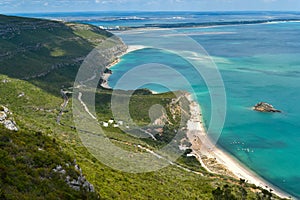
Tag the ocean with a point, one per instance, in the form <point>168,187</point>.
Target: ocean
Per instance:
<point>258,62</point>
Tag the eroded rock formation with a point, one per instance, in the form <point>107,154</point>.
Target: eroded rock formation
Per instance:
<point>265,107</point>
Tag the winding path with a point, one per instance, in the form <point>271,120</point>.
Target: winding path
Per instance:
<point>66,100</point>
<point>84,105</point>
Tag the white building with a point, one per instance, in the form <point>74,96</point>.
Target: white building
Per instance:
<point>190,155</point>
<point>105,124</point>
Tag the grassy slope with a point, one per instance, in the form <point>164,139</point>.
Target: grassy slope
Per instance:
<point>27,160</point>
<point>36,45</point>
<point>37,111</point>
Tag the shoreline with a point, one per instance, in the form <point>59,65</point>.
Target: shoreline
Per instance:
<point>105,76</point>
<point>205,151</point>
<point>211,157</point>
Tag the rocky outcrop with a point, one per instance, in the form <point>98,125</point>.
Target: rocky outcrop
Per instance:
<point>76,183</point>
<point>107,71</point>
<point>10,125</point>
<point>7,120</point>
<point>265,107</point>
<point>111,55</point>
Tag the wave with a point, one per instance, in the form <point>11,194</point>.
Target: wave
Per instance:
<point>132,18</point>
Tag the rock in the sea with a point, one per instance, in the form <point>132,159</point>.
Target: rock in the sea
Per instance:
<point>265,107</point>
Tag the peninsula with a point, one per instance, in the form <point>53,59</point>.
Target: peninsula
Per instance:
<point>45,158</point>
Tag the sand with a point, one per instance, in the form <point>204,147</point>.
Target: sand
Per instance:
<point>203,147</point>
<point>106,76</point>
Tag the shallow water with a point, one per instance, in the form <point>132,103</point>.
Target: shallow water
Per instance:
<point>257,63</point>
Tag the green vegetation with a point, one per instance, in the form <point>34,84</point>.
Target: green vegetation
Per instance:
<point>27,160</point>
<point>37,46</point>
<point>29,156</point>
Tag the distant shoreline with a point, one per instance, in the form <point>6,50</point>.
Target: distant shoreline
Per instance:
<point>201,24</point>
<point>220,23</point>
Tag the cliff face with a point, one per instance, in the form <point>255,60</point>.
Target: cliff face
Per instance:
<point>32,48</point>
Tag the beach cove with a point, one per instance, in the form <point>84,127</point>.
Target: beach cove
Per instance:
<point>265,69</point>
<point>212,157</point>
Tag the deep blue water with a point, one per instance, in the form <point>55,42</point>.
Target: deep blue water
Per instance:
<point>257,62</point>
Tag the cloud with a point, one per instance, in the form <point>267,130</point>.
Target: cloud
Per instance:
<point>5,2</point>
<point>269,1</point>
<point>7,6</point>
<point>117,2</point>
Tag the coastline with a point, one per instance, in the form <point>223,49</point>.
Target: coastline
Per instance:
<point>213,158</point>
<point>223,163</point>
<point>105,76</point>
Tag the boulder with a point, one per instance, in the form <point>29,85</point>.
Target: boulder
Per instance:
<point>10,125</point>
<point>265,107</point>
<point>4,109</point>
<point>2,116</point>
<point>81,181</point>
<point>107,71</point>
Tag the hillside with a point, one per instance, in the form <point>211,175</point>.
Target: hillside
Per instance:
<point>37,59</point>
<point>32,48</point>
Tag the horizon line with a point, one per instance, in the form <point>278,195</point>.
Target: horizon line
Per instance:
<point>150,11</point>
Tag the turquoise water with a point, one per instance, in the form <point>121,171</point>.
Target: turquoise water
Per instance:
<point>257,63</point>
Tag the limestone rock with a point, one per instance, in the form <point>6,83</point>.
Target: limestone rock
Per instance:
<point>265,107</point>
<point>10,125</point>
<point>2,116</point>
<point>6,119</point>
<point>77,183</point>
<point>4,109</point>
<point>22,94</point>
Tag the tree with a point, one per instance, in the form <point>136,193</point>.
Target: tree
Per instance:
<point>223,194</point>
<point>217,194</point>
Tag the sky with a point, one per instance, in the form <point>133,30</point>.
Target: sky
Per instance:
<point>38,6</point>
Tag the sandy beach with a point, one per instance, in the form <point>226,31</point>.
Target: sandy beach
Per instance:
<point>206,151</point>
<point>106,76</point>
<point>211,157</point>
